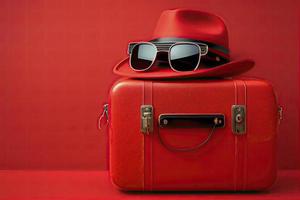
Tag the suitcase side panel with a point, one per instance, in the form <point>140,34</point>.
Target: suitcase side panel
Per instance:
<point>262,127</point>
<point>126,141</point>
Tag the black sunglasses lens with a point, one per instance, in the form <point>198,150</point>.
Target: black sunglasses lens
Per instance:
<point>142,56</point>
<point>184,57</point>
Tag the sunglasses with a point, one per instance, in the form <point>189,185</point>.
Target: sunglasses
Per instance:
<point>182,56</point>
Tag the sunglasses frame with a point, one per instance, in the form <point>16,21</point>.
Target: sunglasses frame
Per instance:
<point>168,51</point>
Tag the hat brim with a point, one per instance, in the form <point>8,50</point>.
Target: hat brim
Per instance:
<point>230,69</point>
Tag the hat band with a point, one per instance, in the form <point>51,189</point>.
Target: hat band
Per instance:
<point>210,45</point>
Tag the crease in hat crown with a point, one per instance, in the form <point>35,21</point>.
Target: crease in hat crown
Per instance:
<point>193,24</point>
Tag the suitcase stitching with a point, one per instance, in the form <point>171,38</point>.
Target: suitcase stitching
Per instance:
<point>235,141</point>
<point>245,142</point>
<point>240,143</point>
<point>148,172</point>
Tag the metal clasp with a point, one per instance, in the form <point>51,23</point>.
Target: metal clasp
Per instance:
<point>238,114</point>
<point>280,112</point>
<point>146,119</point>
<point>103,115</point>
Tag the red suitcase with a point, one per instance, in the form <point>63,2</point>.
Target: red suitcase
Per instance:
<point>193,134</point>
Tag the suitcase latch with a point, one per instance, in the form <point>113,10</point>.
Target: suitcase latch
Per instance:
<point>146,119</point>
<point>238,113</point>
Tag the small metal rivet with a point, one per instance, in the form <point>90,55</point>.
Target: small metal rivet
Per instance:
<point>238,118</point>
<point>165,122</point>
<point>216,120</point>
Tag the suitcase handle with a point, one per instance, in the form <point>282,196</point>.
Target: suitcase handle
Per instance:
<point>190,121</point>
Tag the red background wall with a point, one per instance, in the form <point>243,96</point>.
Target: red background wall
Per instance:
<point>56,60</point>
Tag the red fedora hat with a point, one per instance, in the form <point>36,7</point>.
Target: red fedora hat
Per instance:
<point>183,25</point>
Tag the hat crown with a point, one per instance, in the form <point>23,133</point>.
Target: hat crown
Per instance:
<point>192,24</point>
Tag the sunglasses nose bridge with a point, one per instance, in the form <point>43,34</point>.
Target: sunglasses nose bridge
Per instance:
<point>162,54</point>
<point>163,50</point>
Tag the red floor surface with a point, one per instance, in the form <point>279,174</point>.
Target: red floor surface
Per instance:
<point>96,185</point>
